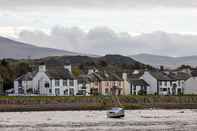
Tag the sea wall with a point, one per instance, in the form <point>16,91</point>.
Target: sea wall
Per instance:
<point>50,103</point>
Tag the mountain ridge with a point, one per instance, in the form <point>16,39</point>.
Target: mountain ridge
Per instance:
<point>19,50</point>
<point>168,61</point>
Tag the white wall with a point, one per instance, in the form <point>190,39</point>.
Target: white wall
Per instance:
<point>151,81</point>
<point>190,86</point>
<point>39,81</point>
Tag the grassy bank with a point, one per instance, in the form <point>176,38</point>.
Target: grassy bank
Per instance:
<point>42,103</point>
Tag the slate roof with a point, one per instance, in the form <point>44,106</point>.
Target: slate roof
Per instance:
<point>83,78</point>
<point>51,71</point>
<point>133,76</point>
<point>104,76</point>
<point>172,76</point>
<point>139,82</point>
<point>161,76</point>
<point>58,72</point>
<point>179,76</point>
<point>27,77</point>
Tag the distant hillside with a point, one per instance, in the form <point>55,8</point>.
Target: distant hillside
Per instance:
<point>173,62</point>
<point>18,50</point>
<point>108,62</point>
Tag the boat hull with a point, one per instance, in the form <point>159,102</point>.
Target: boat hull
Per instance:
<point>116,113</point>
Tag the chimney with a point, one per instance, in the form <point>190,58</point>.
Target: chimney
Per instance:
<point>68,67</point>
<point>124,76</point>
<point>90,71</point>
<point>161,68</point>
<point>42,68</point>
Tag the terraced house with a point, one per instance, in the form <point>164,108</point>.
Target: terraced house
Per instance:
<point>134,84</point>
<point>163,83</point>
<point>105,83</point>
<point>47,81</point>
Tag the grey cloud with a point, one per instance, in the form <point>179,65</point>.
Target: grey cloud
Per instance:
<point>102,40</point>
<point>97,3</point>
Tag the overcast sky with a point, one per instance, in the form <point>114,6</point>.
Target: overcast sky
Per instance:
<point>104,26</point>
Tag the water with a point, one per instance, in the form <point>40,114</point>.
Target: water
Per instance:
<point>135,120</point>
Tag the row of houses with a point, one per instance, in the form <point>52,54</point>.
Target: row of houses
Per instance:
<point>59,81</point>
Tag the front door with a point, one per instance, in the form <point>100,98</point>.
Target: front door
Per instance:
<point>57,91</point>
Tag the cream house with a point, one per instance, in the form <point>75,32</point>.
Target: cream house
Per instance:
<point>105,83</point>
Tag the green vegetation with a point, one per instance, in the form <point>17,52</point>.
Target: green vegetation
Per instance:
<point>11,69</point>
<point>35,103</point>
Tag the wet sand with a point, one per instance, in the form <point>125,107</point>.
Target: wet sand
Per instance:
<point>135,120</point>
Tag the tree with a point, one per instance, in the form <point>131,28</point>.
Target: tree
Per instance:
<point>4,62</point>
<point>22,68</point>
<point>76,71</point>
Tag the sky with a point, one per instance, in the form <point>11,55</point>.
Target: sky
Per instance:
<point>164,27</point>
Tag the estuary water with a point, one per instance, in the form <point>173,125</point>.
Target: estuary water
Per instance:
<point>135,120</point>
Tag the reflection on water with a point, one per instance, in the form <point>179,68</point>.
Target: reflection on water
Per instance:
<point>135,120</point>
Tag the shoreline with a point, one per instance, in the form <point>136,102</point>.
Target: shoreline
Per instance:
<point>83,103</point>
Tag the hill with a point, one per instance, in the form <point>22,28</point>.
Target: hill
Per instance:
<point>172,62</point>
<point>18,50</point>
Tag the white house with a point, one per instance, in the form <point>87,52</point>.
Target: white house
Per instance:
<point>47,81</point>
<point>133,84</point>
<point>190,85</point>
<point>165,83</point>
<point>83,85</point>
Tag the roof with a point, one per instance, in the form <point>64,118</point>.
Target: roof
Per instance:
<point>83,78</point>
<point>27,77</point>
<point>160,76</point>
<point>58,73</point>
<point>51,71</point>
<point>139,82</point>
<point>135,76</point>
<point>104,76</point>
<point>171,76</point>
<point>179,76</point>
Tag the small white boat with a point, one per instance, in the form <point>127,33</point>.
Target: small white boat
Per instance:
<point>116,112</point>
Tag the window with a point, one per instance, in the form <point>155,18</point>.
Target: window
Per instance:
<point>66,92</point>
<point>106,90</point>
<point>107,83</point>
<point>179,83</point>
<point>83,87</point>
<point>163,89</point>
<point>165,83</point>
<point>57,91</point>
<point>160,83</point>
<point>131,90</point>
<point>134,88</point>
<point>46,85</point>
<point>57,83</point>
<point>20,83</point>
<point>170,83</point>
<point>50,91</point>
<point>71,92</point>
<point>71,82</point>
<point>64,82</point>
